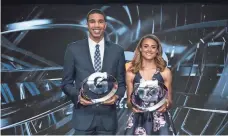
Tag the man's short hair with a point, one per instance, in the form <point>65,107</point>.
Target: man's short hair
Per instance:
<point>98,11</point>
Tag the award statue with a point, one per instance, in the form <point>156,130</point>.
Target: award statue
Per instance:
<point>149,95</point>
<point>98,87</point>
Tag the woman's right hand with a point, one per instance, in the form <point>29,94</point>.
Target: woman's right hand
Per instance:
<point>135,110</point>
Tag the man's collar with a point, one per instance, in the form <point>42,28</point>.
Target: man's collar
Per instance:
<point>94,43</point>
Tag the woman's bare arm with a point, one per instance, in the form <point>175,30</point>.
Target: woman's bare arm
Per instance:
<point>168,83</point>
<point>129,83</point>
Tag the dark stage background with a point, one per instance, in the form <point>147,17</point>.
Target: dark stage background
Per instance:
<point>33,42</point>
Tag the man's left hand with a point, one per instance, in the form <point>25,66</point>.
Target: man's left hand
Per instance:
<point>111,101</point>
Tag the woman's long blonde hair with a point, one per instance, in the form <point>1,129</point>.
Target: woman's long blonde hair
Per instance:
<point>136,63</point>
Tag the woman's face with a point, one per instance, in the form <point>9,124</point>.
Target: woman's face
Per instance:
<point>149,49</point>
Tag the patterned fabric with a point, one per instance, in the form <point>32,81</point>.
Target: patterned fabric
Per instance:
<point>150,123</point>
<point>97,59</point>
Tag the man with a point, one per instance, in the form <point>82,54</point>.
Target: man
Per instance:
<point>84,57</point>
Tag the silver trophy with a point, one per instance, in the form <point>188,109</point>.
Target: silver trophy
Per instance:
<point>149,95</point>
<point>98,87</point>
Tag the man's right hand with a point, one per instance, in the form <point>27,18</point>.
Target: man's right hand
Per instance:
<point>84,102</point>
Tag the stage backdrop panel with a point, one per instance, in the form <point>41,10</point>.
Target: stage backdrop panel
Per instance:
<point>34,39</point>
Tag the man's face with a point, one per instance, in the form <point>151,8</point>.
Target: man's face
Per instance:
<point>96,25</point>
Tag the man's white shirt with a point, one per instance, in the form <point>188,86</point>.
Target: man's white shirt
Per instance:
<point>92,49</point>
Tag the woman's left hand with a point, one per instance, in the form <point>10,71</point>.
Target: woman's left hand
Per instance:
<point>165,106</point>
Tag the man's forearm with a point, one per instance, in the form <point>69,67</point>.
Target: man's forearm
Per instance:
<point>70,90</point>
<point>121,91</point>
<point>121,76</point>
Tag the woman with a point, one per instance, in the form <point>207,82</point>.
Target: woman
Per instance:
<point>148,64</point>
